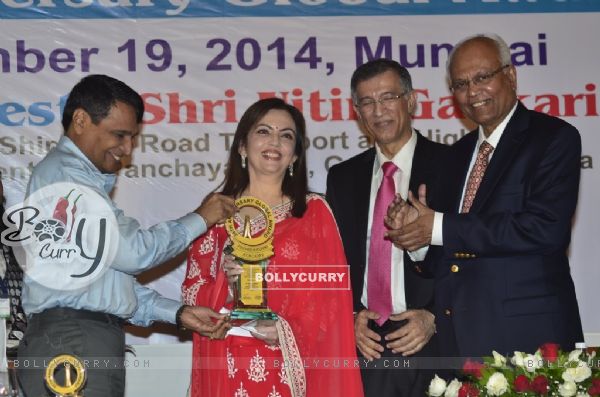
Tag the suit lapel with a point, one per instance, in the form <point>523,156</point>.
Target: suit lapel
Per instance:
<point>361,197</point>
<point>507,148</point>
<point>422,165</point>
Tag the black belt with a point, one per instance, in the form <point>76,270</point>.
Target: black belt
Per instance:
<point>62,313</point>
<point>387,327</point>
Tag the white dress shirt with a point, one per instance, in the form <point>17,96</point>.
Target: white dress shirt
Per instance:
<point>437,237</point>
<point>402,160</point>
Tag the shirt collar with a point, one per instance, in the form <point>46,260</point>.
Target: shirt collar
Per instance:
<point>402,159</point>
<point>107,181</point>
<point>495,136</point>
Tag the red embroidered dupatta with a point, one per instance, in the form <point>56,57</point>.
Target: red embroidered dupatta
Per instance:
<point>319,313</point>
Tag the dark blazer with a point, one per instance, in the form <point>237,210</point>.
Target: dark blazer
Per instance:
<point>502,276</point>
<point>348,193</point>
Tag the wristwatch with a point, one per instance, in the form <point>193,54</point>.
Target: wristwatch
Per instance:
<point>178,317</point>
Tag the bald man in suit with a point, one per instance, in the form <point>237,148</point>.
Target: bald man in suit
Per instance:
<point>498,243</point>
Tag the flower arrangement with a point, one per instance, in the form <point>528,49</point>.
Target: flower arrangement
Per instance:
<point>547,372</point>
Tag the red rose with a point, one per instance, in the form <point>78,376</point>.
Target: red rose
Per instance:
<point>521,384</point>
<point>468,390</point>
<point>539,384</point>
<point>550,351</point>
<point>594,389</point>
<point>473,368</point>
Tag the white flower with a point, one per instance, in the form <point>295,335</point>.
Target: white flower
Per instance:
<point>574,355</point>
<point>497,385</point>
<point>517,359</point>
<point>582,394</point>
<point>567,389</point>
<point>532,362</point>
<point>453,388</point>
<point>577,374</point>
<point>499,360</point>
<point>437,386</point>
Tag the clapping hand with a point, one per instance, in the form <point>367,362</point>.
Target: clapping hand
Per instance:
<point>400,213</point>
<point>411,223</point>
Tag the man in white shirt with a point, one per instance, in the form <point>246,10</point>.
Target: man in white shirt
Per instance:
<point>391,299</point>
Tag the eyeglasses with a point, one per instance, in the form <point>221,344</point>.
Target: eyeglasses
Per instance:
<point>367,105</point>
<point>477,80</point>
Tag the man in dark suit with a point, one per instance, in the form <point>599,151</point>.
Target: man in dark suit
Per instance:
<point>499,249</point>
<point>384,101</point>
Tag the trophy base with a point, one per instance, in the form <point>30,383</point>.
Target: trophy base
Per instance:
<point>239,316</point>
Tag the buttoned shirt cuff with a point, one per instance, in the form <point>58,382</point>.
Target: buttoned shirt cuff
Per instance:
<point>437,237</point>
<point>165,310</point>
<point>194,224</point>
<point>418,255</point>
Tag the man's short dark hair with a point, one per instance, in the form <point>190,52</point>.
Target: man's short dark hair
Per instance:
<point>97,94</point>
<point>376,67</point>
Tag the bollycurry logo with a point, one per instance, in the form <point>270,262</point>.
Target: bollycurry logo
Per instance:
<point>64,235</point>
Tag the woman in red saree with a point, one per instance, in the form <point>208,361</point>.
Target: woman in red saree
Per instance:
<point>309,351</point>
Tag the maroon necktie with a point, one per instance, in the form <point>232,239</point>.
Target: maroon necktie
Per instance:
<point>379,290</point>
<point>481,163</point>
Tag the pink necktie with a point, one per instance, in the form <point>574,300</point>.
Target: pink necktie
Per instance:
<point>481,163</point>
<point>379,291</point>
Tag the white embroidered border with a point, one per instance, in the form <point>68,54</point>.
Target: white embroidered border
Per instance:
<point>296,376</point>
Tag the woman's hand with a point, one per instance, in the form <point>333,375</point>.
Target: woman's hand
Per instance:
<point>266,330</point>
<point>232,269</point>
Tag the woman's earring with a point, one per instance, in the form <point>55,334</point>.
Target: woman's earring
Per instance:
<point>243,160</point>
<point>291,169</point>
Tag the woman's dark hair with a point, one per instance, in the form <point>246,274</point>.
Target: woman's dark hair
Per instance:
<point>236,177</point>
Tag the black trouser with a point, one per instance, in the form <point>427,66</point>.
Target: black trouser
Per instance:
<point>97,339</point>
<point>394,375</point>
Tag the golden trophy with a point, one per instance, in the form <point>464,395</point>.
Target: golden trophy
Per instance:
<point>73,367</point>
<point>253,253</point>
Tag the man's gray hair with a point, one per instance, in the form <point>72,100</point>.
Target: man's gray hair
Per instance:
<point>501,46</point>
